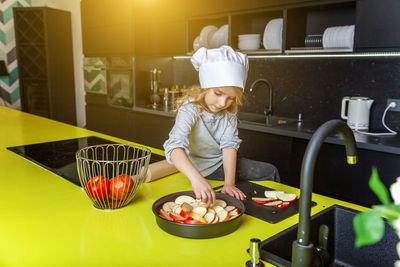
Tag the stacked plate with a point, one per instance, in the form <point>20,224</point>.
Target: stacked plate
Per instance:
<point>249,41</point>
<point>211,37</point>
<point>272,39</point>
<point>338,37</point>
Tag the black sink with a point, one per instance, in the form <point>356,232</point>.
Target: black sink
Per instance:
<point>261,119</point>
<point>278,249</point>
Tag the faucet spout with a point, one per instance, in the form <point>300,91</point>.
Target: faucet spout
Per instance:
<point>267,110</point>
<point>302,248</point>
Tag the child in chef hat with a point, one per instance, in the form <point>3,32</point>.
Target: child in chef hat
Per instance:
<point>204,141</point>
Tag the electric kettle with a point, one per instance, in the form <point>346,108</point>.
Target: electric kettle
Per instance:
<point>356,111</point>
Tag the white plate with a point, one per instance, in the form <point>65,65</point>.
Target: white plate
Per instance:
<point>220,37</point>
<point>272,39</point>
<point>196,44</point>
<point>206,34</point>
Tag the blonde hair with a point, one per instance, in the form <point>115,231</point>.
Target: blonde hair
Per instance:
<point>198,94</point>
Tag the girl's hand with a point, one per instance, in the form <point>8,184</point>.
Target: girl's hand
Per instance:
<point>203,190</point>
<point>233,191</point>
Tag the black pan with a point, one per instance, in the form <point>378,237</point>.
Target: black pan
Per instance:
<point>198,230</point>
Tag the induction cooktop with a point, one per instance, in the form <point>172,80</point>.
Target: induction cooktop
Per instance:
<point>59,156</point>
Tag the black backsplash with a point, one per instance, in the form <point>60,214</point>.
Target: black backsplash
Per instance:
<point>312,86</point>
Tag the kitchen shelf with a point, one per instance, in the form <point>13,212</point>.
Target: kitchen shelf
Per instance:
<point>307,18</point>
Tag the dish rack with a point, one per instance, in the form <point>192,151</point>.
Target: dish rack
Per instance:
<point>111,174</point>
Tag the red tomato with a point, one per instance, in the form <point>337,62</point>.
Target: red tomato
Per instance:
<point>120,187</point>
<point>98,187</point>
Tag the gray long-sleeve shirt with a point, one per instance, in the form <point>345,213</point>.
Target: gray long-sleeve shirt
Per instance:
<point>202,136</point>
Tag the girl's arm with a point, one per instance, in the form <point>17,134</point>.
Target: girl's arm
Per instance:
<point>200,185</point>
<point>229,156</point>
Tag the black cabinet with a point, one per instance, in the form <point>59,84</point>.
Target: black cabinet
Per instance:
<point>45,62</point>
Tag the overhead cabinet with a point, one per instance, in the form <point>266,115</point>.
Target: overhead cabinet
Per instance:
<point>304,26</point>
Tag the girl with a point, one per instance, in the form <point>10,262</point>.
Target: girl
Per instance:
<point>204,140</point>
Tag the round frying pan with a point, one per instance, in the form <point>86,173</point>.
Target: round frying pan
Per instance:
<point>198,230</point>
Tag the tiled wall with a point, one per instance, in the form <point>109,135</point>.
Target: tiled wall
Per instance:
<point>312,86</point>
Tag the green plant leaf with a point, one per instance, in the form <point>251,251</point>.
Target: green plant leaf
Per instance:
<point>378,187</point>
<point>369,227</point>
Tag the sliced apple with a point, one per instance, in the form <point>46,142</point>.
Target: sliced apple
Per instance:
<point>273,203</point>
<point>233,217</point>
<point>197,217</point>
<point>284,205</point>
<point>229,208</point>
<point>272,193</point>
<point>181,199</point>
<point>192,222</point>
<point>186,207</point>
<point>209,217</point>
<point>286,197</point>
<point>167,206</point>
<point>216,220</point>
<point>165,215</point>
<point>219,202</point>
<point>211,210</point>
<point>176,217</point>
<point>222,215</point>
<point>234,212</point>
<point>218,208</point>
<point>177,209</point>
<point>184,214</point>
<point>200,210</point>
<point>261,200</point>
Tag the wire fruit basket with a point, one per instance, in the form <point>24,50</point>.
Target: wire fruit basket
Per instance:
<point>111,174</point>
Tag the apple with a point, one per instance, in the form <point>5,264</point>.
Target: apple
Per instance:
<point>200,210</point>
<point>222,215</point>
<point>165,215</point>
<point>218,208</point>
<point>181,199</point>
<point>272,193</point>
<point>209,217</point>
<point>273,203</point>
<point>167,206</point>
<point>229,208</point>
<point>120,187</point>
<point>286,197</point>
<point>197,217</point>
<point>97,187</point>
<point>176,217</point>
<point>261,200</point>
<point>284,205</point>
<point>234,212</point>
<point>219,202</point>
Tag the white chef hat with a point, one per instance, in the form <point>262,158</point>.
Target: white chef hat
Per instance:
<point>220,67</point>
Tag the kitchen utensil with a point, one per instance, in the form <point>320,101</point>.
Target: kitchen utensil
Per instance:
<point>129,162</point>
<point>356,110</point>
<point>272,39</point>
<point>198,230</point>
<point>268,214</point>
<point>159,170</point>
<point>249,41</point>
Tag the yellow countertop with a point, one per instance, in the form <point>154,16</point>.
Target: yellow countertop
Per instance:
<point>48,221</point>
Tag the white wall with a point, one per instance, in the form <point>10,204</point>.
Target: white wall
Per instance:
<point>75,8</point>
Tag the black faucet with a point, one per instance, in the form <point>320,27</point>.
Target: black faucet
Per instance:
<point>302,248</point>
<point>267,111</point>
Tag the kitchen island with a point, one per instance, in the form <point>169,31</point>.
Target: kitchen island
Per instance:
<point>49,221</point>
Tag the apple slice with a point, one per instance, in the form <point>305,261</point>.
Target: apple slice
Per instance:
<point>233,217</point>
<point>192,222</point>
<point>184,214</point>
<point>186,207</point>
<point>177,209</point>
<point>211,210</point>
<point>209,217</point>
<point>181,199</point>
<point>167,206</point>
<point>165,215</point>
<point>200,210</point>
<point>197,217</point>
<point>216,220</point>
<point>273,203</point>
<point>229,208</point>
<point>222,215</point>
<point>286,197</point>
<point>272,193</point>
<point>261,200</point>
<point>176,217</point>
<point>219,202</point>
<point>234,212</point>
<point>284,205</point>
<point>218,208</point>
